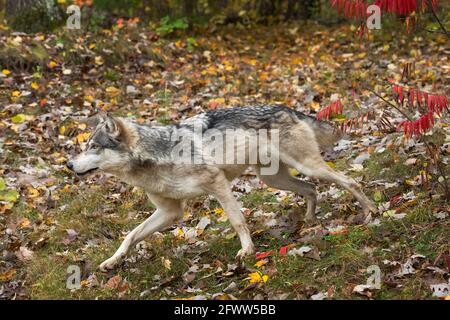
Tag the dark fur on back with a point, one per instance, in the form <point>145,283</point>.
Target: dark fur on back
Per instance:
<point>266,117</point>
<point>255,117</point>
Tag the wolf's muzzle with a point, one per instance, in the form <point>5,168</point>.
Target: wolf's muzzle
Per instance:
<point>69,165</point>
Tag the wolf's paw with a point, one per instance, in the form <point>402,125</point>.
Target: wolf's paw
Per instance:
<point>369,208</point>
<point>310,221</point>
<point>359,219</point>
<point>109,264</point>
<point>245,252</point>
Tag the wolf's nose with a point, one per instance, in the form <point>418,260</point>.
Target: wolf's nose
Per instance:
<point>69,165</point>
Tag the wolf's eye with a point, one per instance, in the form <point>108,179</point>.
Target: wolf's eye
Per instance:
<point>94,146</point>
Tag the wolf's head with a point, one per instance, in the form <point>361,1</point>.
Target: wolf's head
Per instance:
<point>108,147</point>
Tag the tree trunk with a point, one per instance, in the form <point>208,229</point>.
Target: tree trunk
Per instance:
<point>32,15</point>
<point>188,8</point>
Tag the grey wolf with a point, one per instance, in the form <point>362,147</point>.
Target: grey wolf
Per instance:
<point>143,156</point>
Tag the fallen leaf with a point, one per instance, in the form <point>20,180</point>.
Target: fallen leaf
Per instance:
<point>257,277</point>
<point>18,118</point>
<point>7,275</point>
<point>114,282</point>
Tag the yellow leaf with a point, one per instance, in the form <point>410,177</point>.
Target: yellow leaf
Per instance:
<point>6,276</point>
<point>52,64</point>
<point>18,118</point>
<point>220,100</point>
<point>66,188</point>
<point>331,164</point>
<point>263,76</point>
<point>5,207</point>
<point>112,91</point>
<point>82,137</point>
<point>260,263</point>
<point>315,105</point>
<point>32,192</point>
<point>34,85</point>
<point>24,223</point>
<point>6,72</point>
<point>16,93</point>
<point>180,233</point>
<point>62,129</point>
<point>99,60</point>
<point>257,277</point>
<point>60,160</point>
<point>223,296</point>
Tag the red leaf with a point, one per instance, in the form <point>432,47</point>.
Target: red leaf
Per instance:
<point>263,255</point>
<point>333,233</point>
<point>283,250</point>
<point>333,109</point>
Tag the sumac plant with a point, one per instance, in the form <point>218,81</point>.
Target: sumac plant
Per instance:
<point>408,10</point>
<point>431,105</point>
<point>334,108</point>
<point>420,109</point>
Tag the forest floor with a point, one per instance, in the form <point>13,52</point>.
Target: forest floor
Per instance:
<point>51,219</point>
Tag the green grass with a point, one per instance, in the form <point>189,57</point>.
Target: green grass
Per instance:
<point>342,260</point>
<point>101,222</point>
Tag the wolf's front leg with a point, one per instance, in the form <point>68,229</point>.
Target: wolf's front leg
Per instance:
<point>237,220</point>
<point>163,217</point>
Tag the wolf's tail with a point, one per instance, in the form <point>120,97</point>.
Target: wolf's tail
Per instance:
<point>325,133</point>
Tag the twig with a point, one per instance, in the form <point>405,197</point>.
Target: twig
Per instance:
<point>430,6</point>
<point>390,104</point>
<point>433,31</point>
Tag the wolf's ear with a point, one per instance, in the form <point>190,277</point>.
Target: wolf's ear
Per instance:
<point>112,126</point>
<point>94,120</point>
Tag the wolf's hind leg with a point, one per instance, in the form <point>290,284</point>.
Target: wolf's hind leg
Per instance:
<point>221,190</point>
<point>315,167</point>
<point>283,180</point>
<point>167,212</point>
